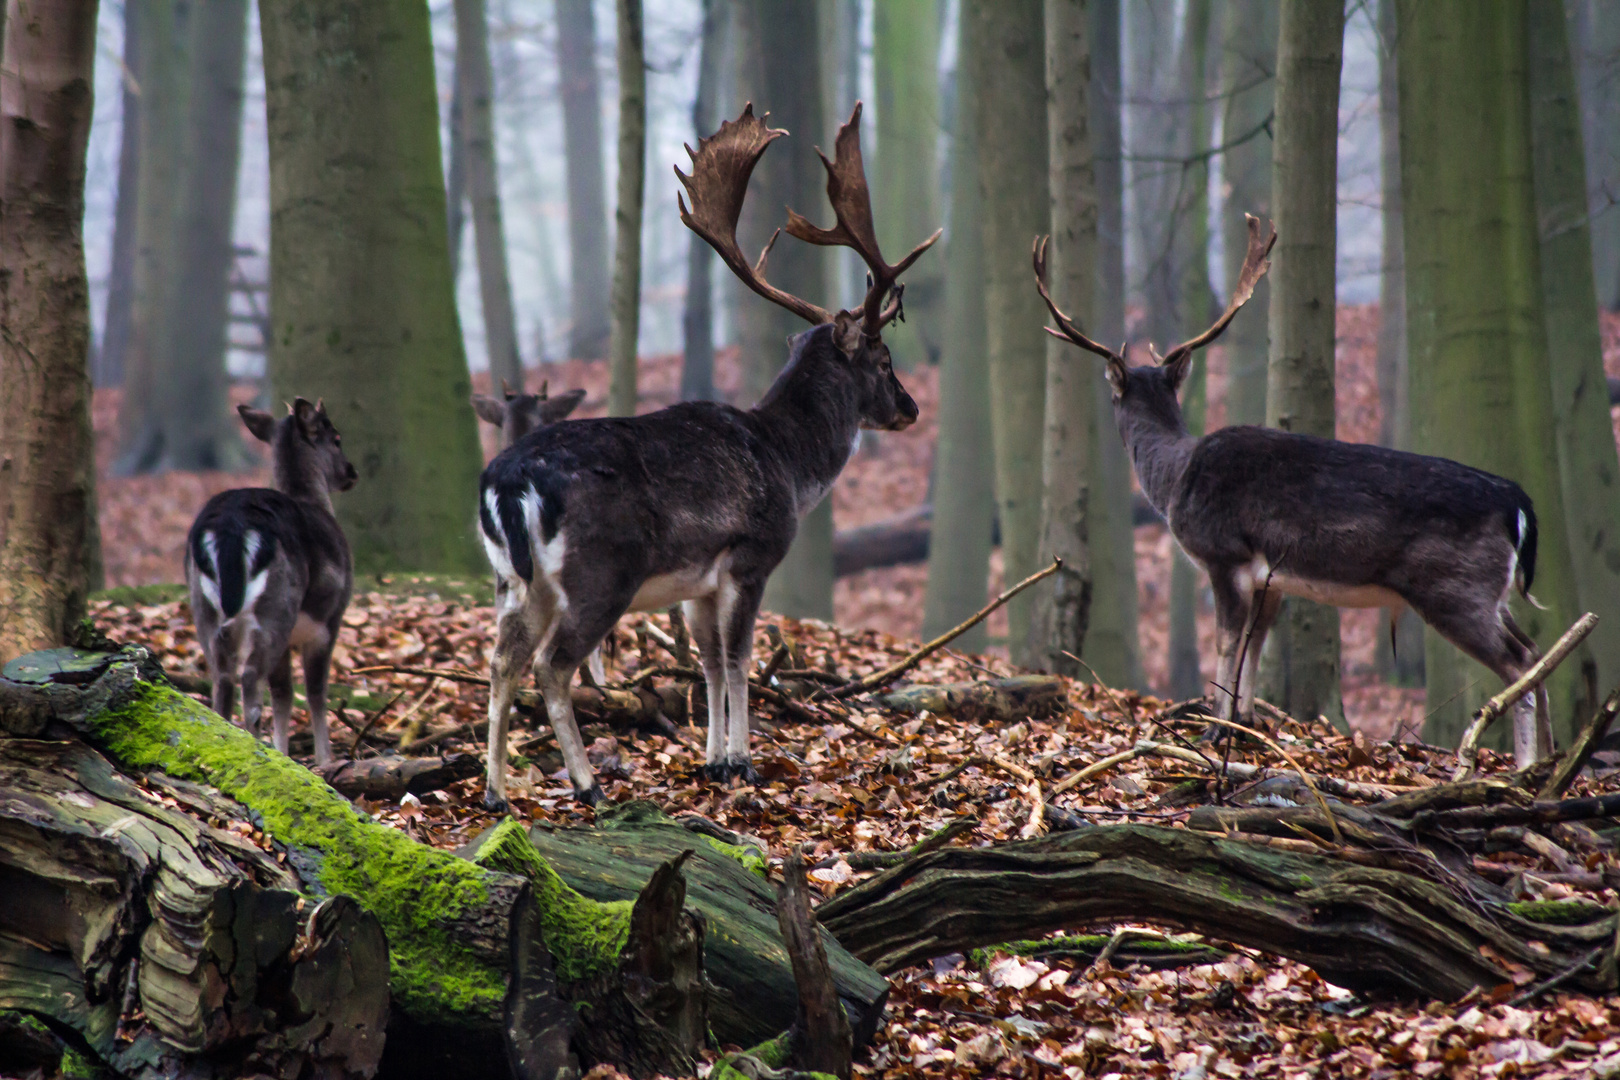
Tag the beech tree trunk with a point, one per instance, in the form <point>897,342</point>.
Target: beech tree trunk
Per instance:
<point>455,180</point>
<point>587,185</point>
<point>1063,605</point>
<point>364,309</point>
<point>47,460</point>
<point>1111,646</point>
<point>905,197</point>
<point>115,326</point>
<point>1588,471</point>
<point>697,320</point>
<point>1479,356</point>
<point>475,93</point>
<point>626,301</point>
<point>1300,667</point>
<point>1013,181</point>
<point>964,504</point>
<point>1595,25</point>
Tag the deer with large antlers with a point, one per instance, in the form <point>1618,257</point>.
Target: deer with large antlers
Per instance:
<point>1268,513</point>
<point>587,519</point>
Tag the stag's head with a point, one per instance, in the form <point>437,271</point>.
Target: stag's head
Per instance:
<point>518,414</point>
<point>721,167</point>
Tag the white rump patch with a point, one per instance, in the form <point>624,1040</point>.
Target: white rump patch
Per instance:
<point>251,541</point>
<point>496,551</point>
<point>209,580</point>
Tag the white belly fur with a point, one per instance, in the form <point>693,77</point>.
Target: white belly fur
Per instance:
<point>306,631</point>
<point>689,583</point>
<point>1336,594</point>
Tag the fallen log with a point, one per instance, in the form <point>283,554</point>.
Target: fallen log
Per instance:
<point>391,776</point>
<point>1370,929</point>
<point>1001,700</point>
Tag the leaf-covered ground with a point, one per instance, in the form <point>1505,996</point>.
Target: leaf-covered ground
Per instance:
<point>874,781</point>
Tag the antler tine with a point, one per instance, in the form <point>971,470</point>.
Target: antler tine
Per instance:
<point>851,200</point>
<point>1255,265</point>
<point>1066,328</point>
<point>721,167</point>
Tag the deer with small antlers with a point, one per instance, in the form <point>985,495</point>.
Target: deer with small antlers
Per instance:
<point>516,414</point>
<point>698,503</point>
<point>1268,513</point>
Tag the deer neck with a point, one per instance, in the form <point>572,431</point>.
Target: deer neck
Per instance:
<point>1160,446</point>
<point>296,480</point>
<point>810,420</point>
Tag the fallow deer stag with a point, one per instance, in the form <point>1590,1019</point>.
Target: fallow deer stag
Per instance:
<point>587,519</point>
<point>1268,512</point>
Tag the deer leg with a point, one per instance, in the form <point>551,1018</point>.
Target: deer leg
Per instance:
<point>1231,620</point>
<point>259,663</point>
<point>1541,705</point>
<point>554,680</point>
<point>220,652</point>
<point>737,612</point>
<point>517,636</point>
<point>317,663</point>
<point>1260,626</point>
<point>1484,633</point>
<point>281,699</point>
<point>703,617</point>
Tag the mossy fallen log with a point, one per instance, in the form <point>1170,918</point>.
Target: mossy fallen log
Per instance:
<point>1370,929</point>
<point>1001,700</point>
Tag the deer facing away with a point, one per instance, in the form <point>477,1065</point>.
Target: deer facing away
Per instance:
<point>514,414</point>
<point>586,519</point>
<point>269,571</point>
<point>1268,512</point>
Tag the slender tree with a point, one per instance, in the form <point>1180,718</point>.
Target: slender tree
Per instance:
<point>964,504</point>
<point>1063,607</point>
<point>455,181</point>
<point>697,320</point>
<point>777,49</point>
<point>1013,183</point>
<point>587,187</point>
<point>364,310</point>
<point>1596,25</point>
<point>1248,82</point>
<point>1111,646</point>
<point>1478,354</point>
<point>905,45</point>
<point>108,369</point>
<point>47,481</point>
<point>1399,658</point>
<point>475,88</point>
<point>626,305</point>
<point>1302,673</point>
<point>1587,466</point>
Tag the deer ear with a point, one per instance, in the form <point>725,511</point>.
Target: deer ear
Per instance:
<point>847,332</point>
<point>306,415</point>
<point>554,409</point>
<point>261,424</point>
<point>1115,371</point>
<point>489,410</point>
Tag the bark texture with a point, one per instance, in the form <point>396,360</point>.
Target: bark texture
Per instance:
<point>964,503</point>
<point>1063,606</point>
<point>1596,28</point>
<point>1476,330</point>
<point>1011,100</point>
<point>475,93</point>
<point>1303,650</point>
<point>587,184</point>
<point>364,309</point>
<point>626,297</point>
<point>697,319</point>
<point>47,461</point>
<point>115,326</point>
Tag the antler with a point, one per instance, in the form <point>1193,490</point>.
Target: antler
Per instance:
<point>1066,327</point>
<point>721,167</point>
<point>852,206</point>
<point>1255,265</point>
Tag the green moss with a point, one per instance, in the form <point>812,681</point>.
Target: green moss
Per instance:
<point>1559,912</point>
<point>585,936</point>
<point>772,1054</point>
<point>412,889</point>
<point>750,857</point>
<point>77,1065</point>
<point>141,595</point>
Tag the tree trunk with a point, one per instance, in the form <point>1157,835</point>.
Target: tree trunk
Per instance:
<point>905,63</point>
<point>1192,298</point>
<point>964,504</point>
<point>165,83</point>
<point>626,302</point>
<point>1013,184</point>
<point>1596,25</point>
<point>1111,646</point>
<point>192,399</point>
<point>779,70</point>
<point>1249,79</point>
<point>1303,677</point>
<point>455,181</point>
<point>1587,466</point>
<point>587,185</point>
<point>1478,357</point>
<point>115,327</point>
<point>1062,608</point>
<point>360,273</point>
<point>47,459</point>
<point>697,320</point>
<point>1152,86</point>
<point>475,91</point>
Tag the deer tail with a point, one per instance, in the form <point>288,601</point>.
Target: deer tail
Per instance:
<point>1524,547</point>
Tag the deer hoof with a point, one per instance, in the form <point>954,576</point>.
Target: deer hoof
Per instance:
<point>743,768</point>
<point>494,802</point>
<point>717,771</point>
<point>592,795</point>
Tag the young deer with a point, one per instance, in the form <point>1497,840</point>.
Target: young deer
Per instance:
<point>269,571</point>
<point>515,415</point>
<point>587,519</point>
<point>1269,512</point>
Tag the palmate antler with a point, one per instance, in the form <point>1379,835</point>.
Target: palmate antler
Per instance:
<point>721,167</point>
<point>1255,265</point>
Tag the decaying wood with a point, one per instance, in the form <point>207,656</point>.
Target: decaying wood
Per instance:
<point>820,1038</point>
<point>999,700</point>
<point>391,776</point>
<point>1573,760</point>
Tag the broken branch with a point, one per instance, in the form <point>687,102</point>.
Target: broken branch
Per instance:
<point>1468,749</point>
